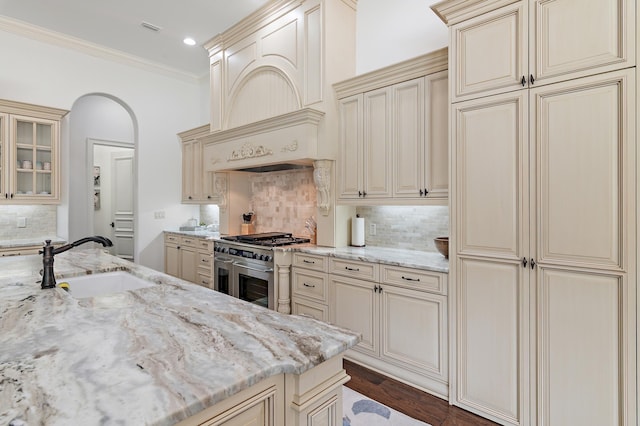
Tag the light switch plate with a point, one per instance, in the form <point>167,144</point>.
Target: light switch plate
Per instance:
<point>22,222</point>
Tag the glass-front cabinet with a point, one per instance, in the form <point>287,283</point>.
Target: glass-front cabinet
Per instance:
<point>29,153</point>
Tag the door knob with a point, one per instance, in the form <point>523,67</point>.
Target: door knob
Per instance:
<point>113,225</point>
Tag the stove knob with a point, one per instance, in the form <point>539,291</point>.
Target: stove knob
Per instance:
<point>224,249</point>
<point>268,258</point>
<point>256,256</point>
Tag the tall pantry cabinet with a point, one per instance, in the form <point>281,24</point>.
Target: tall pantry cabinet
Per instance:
<point>543,210</point>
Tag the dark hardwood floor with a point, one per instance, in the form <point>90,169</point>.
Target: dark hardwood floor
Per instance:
<point>410,401</point>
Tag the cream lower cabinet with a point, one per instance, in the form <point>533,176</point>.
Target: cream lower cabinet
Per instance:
<point>181,257</point>
<point>313,398</point>
<point>310,286</point>
<point>402,317</point>
<point>542,260</point>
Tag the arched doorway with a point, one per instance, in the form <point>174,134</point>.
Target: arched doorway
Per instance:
<point>102,126</point>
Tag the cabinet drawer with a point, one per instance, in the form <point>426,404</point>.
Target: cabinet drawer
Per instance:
<point>310,284</point>
<point>413,278</point>
<point>171,238</point>
<point>355,269</point>
<point>205,245</point>
<point>205,260</point>
<point>311,309</point>
<point>311,261</point>
<point>204,280</point>
<point>189,242</point>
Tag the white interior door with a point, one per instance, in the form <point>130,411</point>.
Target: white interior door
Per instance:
<point>122,202</point>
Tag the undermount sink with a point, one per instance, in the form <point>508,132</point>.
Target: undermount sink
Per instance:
<point>103,283</point>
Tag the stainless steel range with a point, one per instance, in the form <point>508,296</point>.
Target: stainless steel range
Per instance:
<point>244,267</point>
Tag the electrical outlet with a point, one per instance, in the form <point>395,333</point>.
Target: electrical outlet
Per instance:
<point>22,222</point>
<point>159,214</point>
<point>372,229</point>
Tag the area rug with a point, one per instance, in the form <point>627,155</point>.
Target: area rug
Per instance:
<point>358,410</point>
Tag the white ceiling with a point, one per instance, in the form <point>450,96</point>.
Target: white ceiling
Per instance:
<point>116,24</point>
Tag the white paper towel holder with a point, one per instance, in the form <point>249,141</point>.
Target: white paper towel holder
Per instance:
<point>357,232</point>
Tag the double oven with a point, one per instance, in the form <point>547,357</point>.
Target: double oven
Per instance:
<point>244,266</point>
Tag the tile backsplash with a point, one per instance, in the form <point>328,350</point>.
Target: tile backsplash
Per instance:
<point>408,227</point>
<point>283,200</point>
<point>41,221</point>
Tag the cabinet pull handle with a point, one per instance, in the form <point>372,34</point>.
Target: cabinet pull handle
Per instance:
<point>524,262</point>
<point>375,288</point>
<point>11,196</point>
<point>352,269</point>
<point>309,285</point>
<point>208,197</point>
<point>178,247</point>
<point>364,193</point>
<point>410,279</point>
<point>359,194</point>
<point>307,261</point>
<point>523,81</point>
<point>421,192</point>
<point>531,79</point>
<point>379,289</point>
<point>425,192</point>
<point>533,263</point>
<point>190,197</point>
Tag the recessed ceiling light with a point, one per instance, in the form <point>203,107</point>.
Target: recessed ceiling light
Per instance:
<point>189,41</point>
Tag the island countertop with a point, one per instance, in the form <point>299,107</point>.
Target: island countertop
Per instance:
<point>152,356</point>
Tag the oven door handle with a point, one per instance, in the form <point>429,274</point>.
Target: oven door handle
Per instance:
<point>240,265</point>
<point>222,260</point>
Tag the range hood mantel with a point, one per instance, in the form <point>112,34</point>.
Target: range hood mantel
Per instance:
<point>287,138</point>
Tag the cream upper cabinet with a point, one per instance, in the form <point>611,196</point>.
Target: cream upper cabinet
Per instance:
<point>517,46</point>
<point>29,153</point>
<point>351,172</point>
<point>394,134</point>
<point>197,184</point>
<point>4,157</point>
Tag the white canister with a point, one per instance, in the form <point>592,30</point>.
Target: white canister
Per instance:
<point>46,165</point>
<point>357,231</point>
<point>26,164</point>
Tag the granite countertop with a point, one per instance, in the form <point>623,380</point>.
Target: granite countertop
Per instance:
<point>27,242</point>
<point>425,260</point>
<point>208,235</point>
<point>152,356</point>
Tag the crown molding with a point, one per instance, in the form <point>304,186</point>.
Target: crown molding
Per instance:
<point>21,108</point>
<point>195,133</point>
<point>402,71</point>
<point>69,42</point>
<point>302,116</point>
<point>258,19</point>
<point>453,11</point>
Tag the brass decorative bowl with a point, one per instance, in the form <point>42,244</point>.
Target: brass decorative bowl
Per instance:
<point>442,244</point>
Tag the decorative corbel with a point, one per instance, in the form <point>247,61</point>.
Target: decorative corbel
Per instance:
<point>221,189</point>
<point>322,180</point>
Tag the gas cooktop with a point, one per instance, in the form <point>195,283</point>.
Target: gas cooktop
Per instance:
<point>267,239</point>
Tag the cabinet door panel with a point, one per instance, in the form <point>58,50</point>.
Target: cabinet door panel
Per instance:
<point>581,369</point>
<point>491,339</point>
<point>437,135</point>
<point>408,111</point>
<point>492,175</point>
<point>594,34</point>
<point>581,133</point>
<point>350,164</point>
<point>414,329</point>
<point>189,263</point>
<point>489,52</point>
<point>172,260</point>
<point>377,143</point>
<point>355,306</point>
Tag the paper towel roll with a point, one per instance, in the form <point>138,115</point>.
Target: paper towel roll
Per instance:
<point>357,231</point>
